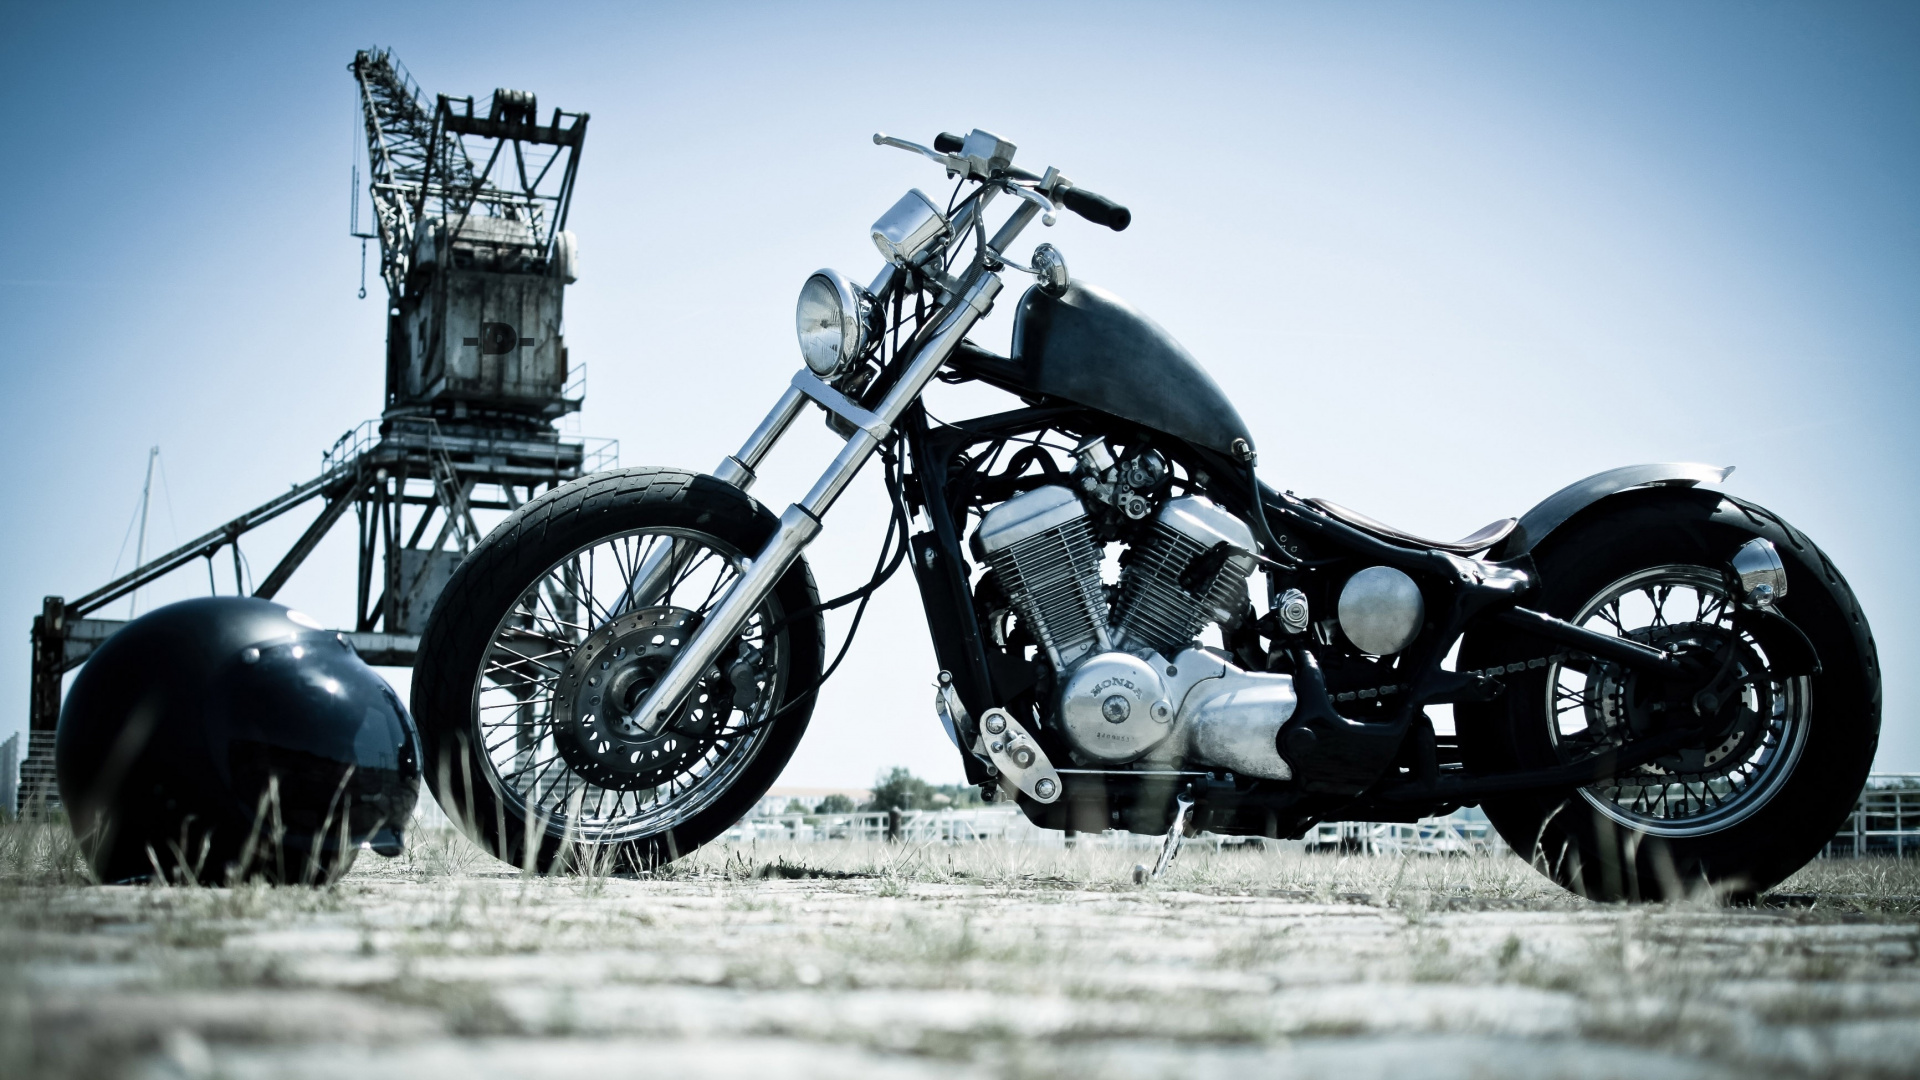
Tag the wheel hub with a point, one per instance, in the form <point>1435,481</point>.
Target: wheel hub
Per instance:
<point>1718,704</point>
<point>608,676</point>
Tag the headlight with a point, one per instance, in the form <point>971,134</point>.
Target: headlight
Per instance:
<point>831,320</point>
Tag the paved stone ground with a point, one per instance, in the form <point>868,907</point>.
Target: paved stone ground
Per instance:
<point>992,964</point>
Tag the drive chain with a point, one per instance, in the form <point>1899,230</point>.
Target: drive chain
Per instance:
<point>1391,689</point>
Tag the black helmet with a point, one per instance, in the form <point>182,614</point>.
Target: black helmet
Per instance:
<point>224,738</point>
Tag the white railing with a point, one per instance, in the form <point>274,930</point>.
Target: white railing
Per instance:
<point>1886,820</point>
<point>916,826</point>
<point>1461,833</point>
<point>1464,832</point>
<point>599,454</point>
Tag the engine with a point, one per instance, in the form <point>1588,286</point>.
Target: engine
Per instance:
<point>1183,577</point>
<point>1118,694</point>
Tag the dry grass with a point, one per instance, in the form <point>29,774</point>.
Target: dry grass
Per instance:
<point>991,959</point>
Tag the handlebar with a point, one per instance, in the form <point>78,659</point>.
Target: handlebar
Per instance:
<point>1096,208</point>
<point>1048,190</point>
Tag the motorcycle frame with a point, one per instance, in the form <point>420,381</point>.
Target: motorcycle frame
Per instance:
<point>1363,782</point>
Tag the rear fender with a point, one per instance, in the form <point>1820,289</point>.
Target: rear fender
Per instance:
<point>1553,511</point>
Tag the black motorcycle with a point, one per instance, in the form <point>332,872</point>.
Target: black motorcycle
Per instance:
<point>1658,688</point>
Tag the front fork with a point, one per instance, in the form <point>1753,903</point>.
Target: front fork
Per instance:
<point>801,521</point>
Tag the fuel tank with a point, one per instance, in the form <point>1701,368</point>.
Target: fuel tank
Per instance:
<point>1092,348</point>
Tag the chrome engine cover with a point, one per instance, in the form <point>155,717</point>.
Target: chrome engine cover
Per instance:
<point>1114,707</point>
<point>1197,710</point>
<point>1227,718</point>
<point>1234,723</point>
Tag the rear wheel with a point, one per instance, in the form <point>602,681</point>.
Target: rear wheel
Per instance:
<point>1775,754</point>
<point>547,639</point>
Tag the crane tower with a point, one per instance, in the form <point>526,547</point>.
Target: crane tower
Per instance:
<point>474,257</point>
<point>470,211</point>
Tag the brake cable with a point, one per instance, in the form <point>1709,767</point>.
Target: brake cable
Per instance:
<point>884,568</point>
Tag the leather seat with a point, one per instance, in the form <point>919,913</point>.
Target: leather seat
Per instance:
<point>1479,541</point>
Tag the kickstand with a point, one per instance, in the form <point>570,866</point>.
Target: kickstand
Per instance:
<point>1181,815</point>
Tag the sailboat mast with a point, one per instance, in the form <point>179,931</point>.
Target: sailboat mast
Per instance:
<point>140,545</point>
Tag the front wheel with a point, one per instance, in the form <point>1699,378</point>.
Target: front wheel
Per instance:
<point>1775,754</point>
<point>549,635</point>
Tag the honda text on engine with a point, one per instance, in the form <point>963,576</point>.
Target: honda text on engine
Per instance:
<point>1657,687</point>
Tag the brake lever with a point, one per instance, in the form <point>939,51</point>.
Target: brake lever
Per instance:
<point>1041,201</point>
<point>946,161</point>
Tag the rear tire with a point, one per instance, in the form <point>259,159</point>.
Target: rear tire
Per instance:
<point>1735,824</point>
<point>514,751</point>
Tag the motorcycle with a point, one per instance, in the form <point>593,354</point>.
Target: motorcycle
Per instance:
<point>1657,687</point>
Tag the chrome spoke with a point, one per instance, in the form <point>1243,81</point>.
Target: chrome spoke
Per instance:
<point>520,695</point>
<point>1692,789</point>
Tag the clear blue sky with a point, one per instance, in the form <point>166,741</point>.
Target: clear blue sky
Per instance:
<point>1447,257</point>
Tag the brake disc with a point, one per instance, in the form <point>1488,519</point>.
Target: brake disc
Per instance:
<point>595,724</point>
<point>1621,703</point>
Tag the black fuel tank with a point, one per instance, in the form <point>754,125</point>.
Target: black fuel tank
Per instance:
<point>1092,348</point>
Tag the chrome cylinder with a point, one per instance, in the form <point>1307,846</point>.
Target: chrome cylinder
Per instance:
<point>1381,610</point>
<point>651,577</point>
<point>739,469</point>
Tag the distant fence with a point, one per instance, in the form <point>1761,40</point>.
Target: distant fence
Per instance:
<point>916,826</point>
<point>1461,833</point>
<point>1886,820</point>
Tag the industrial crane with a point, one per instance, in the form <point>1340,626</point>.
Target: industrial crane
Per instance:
<point>470,211</point>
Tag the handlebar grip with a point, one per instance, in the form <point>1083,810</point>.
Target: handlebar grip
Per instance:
<point>1097,208</point>
<point>948,143</point>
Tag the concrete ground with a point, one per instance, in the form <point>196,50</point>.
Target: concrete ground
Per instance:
<point>838,960</point>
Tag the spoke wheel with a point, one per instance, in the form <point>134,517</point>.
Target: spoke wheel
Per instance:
<point>546,642</point>
<point>1772,752</point>
<point>570,663</point>
<point>1750,737</point>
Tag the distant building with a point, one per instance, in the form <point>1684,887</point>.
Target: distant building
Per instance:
<point>10,775</point>
<point>1886,820</point>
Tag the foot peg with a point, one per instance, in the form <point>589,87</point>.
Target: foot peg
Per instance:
<point>1018,757</point>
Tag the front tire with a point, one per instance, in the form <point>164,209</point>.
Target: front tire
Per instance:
<point>549,634</point>
<point>1768,780</point>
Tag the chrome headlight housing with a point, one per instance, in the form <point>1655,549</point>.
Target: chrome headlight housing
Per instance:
<point>831,321</point>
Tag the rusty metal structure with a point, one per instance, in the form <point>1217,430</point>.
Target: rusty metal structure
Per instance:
<point>470,210</point>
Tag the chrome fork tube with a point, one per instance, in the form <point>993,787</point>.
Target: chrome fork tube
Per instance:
<point>801,522</point>
<point>738,469</point>
<point>651,577</point>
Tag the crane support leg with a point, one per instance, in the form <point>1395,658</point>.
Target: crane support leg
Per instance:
<point>303,547</point>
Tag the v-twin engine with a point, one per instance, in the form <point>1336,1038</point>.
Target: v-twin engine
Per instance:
<point>1120,698</point>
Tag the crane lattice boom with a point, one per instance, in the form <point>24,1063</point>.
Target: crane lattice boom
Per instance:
<point>471,210</point>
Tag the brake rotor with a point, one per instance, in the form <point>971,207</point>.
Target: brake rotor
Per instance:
<point>595,723</point>
<point>1620,703</point>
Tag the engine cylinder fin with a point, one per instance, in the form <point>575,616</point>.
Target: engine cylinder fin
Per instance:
<point>1155,610</point>
<point>1053,579</point>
